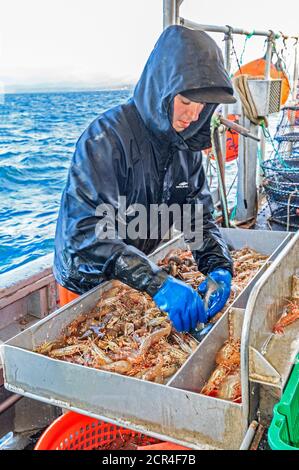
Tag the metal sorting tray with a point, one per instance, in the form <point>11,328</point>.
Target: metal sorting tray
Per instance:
<point>169,412</point>
<point>270,357</point>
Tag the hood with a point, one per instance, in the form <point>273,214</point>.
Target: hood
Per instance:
<point>182,59</point>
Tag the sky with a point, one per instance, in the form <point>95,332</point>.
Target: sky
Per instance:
<point>105,43</point>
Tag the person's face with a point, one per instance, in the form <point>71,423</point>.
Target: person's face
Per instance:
<point>185,112</point>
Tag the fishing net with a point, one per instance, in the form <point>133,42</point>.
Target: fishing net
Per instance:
<point>281,171</point>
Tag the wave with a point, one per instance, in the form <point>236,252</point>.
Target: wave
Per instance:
<point>38,133</point>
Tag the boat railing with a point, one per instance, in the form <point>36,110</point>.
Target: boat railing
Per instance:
<point>27,294</point>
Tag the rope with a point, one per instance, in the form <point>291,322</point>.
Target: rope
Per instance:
<point>260,159</point>
<point>241,84</point>
<point>234,211</point>
<point>248,36</point>
<point>230,188</point>
<point>281,61</point>
<point>240,62</point>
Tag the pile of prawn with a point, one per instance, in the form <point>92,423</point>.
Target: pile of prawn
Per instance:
<point>225,381</point>
<point>290,315</point>
<point>247,262</point>
<point>125,333</point>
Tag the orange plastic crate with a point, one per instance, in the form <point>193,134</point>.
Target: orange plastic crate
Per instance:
<point>73,431</point>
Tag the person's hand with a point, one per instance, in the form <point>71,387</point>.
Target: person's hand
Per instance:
<point>184,306</point>
<point>219,297</point>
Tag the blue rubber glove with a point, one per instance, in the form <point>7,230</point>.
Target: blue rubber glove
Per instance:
<point>184,306</point>
<point>218,298</point>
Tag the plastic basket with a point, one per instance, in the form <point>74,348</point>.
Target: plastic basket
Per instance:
<point>73,431</point>
<point>283,432</point>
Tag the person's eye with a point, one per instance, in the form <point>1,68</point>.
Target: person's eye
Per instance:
<point>186,102</point>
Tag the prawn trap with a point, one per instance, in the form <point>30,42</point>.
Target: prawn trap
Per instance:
<point>281,171</point>
<point>283,433</point>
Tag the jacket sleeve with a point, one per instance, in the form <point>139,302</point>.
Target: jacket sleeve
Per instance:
<point>83,256</point>
<point>213,252</point>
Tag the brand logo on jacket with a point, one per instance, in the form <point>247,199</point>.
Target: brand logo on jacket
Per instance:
<point>182,185</point>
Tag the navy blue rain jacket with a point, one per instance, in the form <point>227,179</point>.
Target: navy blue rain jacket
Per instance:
<point>132,150</point>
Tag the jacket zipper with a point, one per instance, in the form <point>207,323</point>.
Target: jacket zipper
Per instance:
<point>166,167</point>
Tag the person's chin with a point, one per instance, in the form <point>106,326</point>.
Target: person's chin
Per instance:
<point>181,128</point>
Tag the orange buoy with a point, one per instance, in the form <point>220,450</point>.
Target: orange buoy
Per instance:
<point>232,141</point>
<point>257,68</point>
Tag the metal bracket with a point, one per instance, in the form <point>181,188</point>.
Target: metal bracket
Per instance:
<point>295,287</point>
<point>260,369</point>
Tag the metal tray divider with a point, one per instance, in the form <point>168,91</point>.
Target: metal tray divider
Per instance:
<point>251,312</point>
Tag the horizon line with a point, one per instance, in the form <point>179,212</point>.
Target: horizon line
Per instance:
<point>66,90</point>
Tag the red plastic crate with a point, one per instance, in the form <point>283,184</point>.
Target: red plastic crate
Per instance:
<point>73,431</point>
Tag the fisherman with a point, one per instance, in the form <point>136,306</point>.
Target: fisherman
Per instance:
<point>148,150</point>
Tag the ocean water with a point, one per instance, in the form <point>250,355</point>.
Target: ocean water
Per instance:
<point>38,133</point>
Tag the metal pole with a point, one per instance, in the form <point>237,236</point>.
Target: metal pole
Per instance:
<point>269,55</point>
<point>9,402</point>
<point>223,29</point>
<point>263,156</point>
<point>246,192</point>
<point>221,176</point>
<point>249,435</point>
<point>267,77</point>
<point>236,127</point>
<point>171,12</point>
<point>228,47</point>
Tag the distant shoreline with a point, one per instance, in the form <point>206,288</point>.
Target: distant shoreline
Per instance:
<point>69,90</point>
